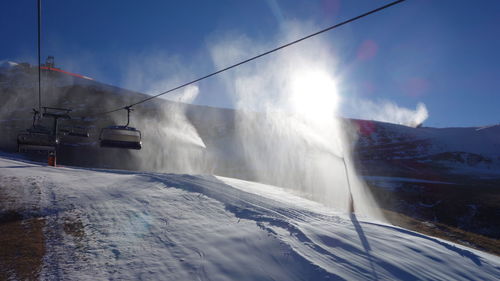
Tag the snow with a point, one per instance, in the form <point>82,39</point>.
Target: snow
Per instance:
<point>6,65</point>
<point>155,226</point>
<point>20,76</point>
<point>473,140</point>
<point>479,140</point>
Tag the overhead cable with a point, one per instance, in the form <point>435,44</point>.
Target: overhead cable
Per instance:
<point>256,57</point>
<point>39,12</point>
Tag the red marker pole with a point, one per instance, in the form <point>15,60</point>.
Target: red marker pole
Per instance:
<point>52,159</point>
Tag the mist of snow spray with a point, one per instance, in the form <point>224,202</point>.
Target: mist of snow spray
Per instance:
<point>173,145</point>
<point>287,124</point>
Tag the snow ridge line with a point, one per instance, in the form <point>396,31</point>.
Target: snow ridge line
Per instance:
<point>267,217</point>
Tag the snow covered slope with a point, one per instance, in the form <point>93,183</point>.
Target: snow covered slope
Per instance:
<point>472,151</point>
<point>186,227</point>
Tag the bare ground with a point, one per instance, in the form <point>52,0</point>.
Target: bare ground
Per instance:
<point>21,235</point>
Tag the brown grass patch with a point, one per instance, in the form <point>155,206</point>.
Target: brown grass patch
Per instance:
<point>22,241</point>
<point>22,247</point>
<point>446,232</point>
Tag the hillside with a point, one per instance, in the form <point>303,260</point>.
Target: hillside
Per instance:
<point>382,149</point>
<point>423,151</point>
<point>445,177</point>
<point>442,177</point>
<point>189,227</point>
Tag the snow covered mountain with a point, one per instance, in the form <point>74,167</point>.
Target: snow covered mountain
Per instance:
<point>383,149</point>
<point>105,224</point>
<point>448,175</point>
<point>472,151</point>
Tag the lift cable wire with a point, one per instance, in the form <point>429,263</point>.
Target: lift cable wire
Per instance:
<point>39,6</point>
<point>255,57</point>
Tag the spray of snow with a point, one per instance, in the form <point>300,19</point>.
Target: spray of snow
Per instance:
<point>173,144</point>
<point>177,125</point>
<point>287,124</point>
<point>386,111</point>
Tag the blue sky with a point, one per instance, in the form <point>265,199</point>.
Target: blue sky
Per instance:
<point>443,53</point>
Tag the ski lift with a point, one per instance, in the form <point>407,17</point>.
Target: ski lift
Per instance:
<point>121,136</point>
<point>36,138</point>
<point>76,131</point>
<point>36,142</point>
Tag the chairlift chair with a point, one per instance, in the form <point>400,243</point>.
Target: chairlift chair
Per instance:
<point>36,142</point>
<point>121,136</point>
<point>36,138</point>
<point>79,132</point>
<point>76,131</point>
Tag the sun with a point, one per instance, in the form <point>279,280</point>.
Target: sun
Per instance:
<point>314,95</point>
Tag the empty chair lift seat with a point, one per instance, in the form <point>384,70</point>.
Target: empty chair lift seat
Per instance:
<point>76,131</point>
<point>120,137</point>
<point>36,141</point>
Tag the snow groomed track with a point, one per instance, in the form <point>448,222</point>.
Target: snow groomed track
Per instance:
<point>104,224</point>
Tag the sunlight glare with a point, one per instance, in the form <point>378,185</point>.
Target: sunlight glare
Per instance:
<point>314,95</point>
